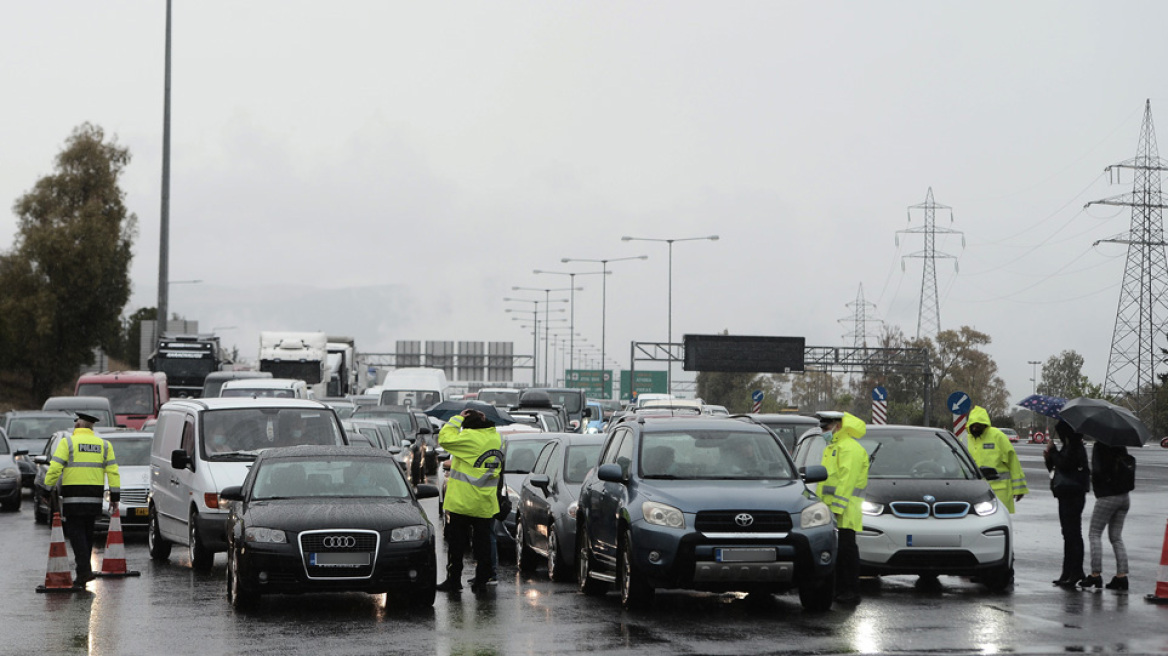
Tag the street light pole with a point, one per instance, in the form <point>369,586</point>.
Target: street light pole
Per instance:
<point>1035,379</point>
<point>571,283</point>
<point>603,298</point>
<point>669,320</point>
<point>546,308</point>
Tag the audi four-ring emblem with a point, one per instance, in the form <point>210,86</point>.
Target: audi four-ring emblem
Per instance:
<point>744,519</point>
<point>339,542</point>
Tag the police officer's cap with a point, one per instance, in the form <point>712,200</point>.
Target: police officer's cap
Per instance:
<point>84,417</point>
<point>827,416</point>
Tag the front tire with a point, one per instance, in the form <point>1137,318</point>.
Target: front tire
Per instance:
<point>998,579</point>
<point>158,546</point>
<point>201,557</point>
<point>238,595</point>
<point>12,504</point>
<point>557,569</point>
<point>817,596</point>
<point>525,558</point>
<point>635,591</point>
<point>588,585</point>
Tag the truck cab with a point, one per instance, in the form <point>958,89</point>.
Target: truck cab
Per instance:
<point>135,396</point>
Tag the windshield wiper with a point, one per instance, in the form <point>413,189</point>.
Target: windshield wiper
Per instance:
<point>236,454</point>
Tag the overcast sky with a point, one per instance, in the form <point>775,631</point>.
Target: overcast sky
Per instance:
<point>422,158</point>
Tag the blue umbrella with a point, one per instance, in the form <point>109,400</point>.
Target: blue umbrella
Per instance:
<point>1048,406</point>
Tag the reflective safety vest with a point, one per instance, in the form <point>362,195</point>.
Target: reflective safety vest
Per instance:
<point>475,457</point>
<point>82,461</point>
<point>846,462</point>
<point>993,449</point>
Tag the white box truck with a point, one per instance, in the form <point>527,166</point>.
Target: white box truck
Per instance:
<point>296,355</point>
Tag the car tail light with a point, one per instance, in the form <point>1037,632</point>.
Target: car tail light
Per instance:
<point>212,500</point>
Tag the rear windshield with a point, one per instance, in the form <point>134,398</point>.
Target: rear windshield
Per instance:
<point>124,398</point>
<point>226,433</point>
<point>291,478</point>
<point>258,392</point>
<point>39,427</point>
<point>520,455</point>
<point>133,452</point>
<point>420,398</point>
<point>506,399</point>
<point>573,402</point>
<point>713,454</point>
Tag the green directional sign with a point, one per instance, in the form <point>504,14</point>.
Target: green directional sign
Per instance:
<point>598,382</point>
<point>655,382</point>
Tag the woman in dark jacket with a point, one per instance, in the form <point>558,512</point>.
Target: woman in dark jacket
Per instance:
<point>1111,505</point>
<point>1070,482</point>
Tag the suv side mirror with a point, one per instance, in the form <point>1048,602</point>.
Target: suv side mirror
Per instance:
<point>588,412</point>
<point>813,473</point>
<point>541,481</point>
<point>611,472</point>
<point>179,459</point>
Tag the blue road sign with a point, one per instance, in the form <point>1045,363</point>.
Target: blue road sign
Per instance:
<point>879,394</point>
<point>756,396</point>
<point>959,403</point>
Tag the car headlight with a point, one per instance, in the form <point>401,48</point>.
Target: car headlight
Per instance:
<point>984,508</point>
<point>260,534</point>
<point>408,534</point>
<point>869,508</point>
<point>662,515</point>
<point>817,514</point>
<point>10,472</point>
<point>572,507</point>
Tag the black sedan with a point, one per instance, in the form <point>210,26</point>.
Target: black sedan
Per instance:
<point>44,501</point>
<point>328,519</point>
<point>29,430</point>
<point>546,528</point>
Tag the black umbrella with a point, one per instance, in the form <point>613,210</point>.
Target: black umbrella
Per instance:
<point>1106,422</point>
<point>448,409</point>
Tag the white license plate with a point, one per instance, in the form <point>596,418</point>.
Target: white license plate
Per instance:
<point>343,559</point>
<point>764,555</point>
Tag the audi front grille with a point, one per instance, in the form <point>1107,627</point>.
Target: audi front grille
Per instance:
<point>339,553</point>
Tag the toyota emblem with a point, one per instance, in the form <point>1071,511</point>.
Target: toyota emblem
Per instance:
<point>339,542</point>
<point>744,519</point>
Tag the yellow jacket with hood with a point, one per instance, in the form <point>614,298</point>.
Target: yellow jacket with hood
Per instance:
<point>993,449</point>
<point>846,461</point>
<point>475,457</point>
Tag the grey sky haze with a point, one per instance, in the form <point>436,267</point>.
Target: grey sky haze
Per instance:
<point>437,153</point>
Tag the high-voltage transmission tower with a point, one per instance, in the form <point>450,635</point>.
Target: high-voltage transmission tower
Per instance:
<point>1142,311</point>
<point>862,315</point>
<point>929,315</point>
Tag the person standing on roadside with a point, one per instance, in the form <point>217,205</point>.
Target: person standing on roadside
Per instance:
<point>846,462</point>
<point>1070,481</point>
<point>991,448</point>
<point>1113,475</point>
<point>82,462</point>
<point>471,501</point>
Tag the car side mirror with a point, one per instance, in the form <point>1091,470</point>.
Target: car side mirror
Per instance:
<point>179,459</point>
<point>588,413</point>
<point>813,473</point>
<point>232,493</point>
<point>611,472</point>
<point>426,491</point>
<point>41,460</point>
<point>20,452</point>
<point>541,481</point>
<point>394,450</point>
<point>989,473</point>
<point>443,456</point>
<point>407,443</point>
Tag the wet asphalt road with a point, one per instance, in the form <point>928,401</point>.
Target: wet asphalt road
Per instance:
<point>171,610</point>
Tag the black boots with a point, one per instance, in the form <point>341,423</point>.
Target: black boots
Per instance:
<point>1091,581</point>
<point>1117,583</point>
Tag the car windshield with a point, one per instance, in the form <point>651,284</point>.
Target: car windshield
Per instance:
<point>132,452</point>
<point>520,455</point>
<point>914,455</point>
<point>38,427</point>
<point>507,398</point>
<point>713,454</point>
<point>124,398</point>
<point>580,460</point>
<point>335,477</point>
<point>572,401</point>
<point>420,398</point>
<point>228,432</point>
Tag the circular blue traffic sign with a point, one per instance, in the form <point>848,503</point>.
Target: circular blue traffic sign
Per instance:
<point>756,396</point>
<point>959,403</point>
<point>879,393</point>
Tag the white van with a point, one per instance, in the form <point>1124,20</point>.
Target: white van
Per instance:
<point>204,445</point>
<point>421,387</point>
<point>265,388</point>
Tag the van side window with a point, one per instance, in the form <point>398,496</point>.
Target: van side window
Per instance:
<point>166,434</point>
<point>188,439</point>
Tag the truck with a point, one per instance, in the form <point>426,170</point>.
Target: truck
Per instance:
<point>134,396</point>
<point>186,360</point>
<point>342,367</point>
<point>296,355</point>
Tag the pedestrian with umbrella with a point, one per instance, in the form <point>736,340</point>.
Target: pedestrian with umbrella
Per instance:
<point>1070,480</point>
<point>1113,476</point>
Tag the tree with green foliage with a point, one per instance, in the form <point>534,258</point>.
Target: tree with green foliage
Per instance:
<point>66,278</point>
<point>129,344</point>
<point>1062,375</point>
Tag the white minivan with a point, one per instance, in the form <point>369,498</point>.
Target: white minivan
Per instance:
<point>204,445</point>
<point>275,388</point>
<point>421,387</point>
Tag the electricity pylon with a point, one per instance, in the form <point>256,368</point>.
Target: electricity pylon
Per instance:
<point>862,312</point>
<point>929,315</point>
<point>1142,310</point>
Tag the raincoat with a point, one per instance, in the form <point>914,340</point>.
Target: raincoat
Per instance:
<point>475,457</point>
<point>847,473</point>
<point>82,462</point>
<point>993,449</point>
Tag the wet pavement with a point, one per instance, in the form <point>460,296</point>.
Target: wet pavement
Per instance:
<point>172,610</point>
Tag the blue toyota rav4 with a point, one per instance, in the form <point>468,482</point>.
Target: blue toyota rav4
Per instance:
<point>702,504</point>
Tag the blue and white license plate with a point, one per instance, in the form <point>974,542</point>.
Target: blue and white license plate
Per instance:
<point>742,555</point>
<point>342,559</point>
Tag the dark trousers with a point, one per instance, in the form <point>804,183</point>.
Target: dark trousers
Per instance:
<point>78,527</point>
<point>461,529</point>
<point>847,568</point>
<point>1070,510</point>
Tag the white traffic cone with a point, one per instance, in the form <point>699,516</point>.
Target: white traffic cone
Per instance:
<point>113,562</point>
<point>58,578</point>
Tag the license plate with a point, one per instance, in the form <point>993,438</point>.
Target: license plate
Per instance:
<point>343,559</point>
<point>765,555</point>
<point>141,512</point>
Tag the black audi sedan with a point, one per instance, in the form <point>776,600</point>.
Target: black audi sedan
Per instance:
<point>702,504</point>
<point>328,519</point>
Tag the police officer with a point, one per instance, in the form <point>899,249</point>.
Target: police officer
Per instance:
<point>470,503</point>
<point>846,462</point>
<point>991,448</point>
<point>82,462</point>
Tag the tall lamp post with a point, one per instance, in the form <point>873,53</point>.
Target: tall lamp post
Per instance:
<point>603,297</point>
<point>547,299</point>
<point>1035,379</point>
<point>535,339</point>
<point>572,283</point>
<point>669,375</point>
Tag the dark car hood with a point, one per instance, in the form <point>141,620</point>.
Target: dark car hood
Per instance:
<point>694,495</point>
<point>915,489</point>
<point>306,515</point>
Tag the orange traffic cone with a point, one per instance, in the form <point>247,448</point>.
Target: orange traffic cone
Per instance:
<point>58,578</point>
<point>1161,594</point>
<point>113,563</point>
